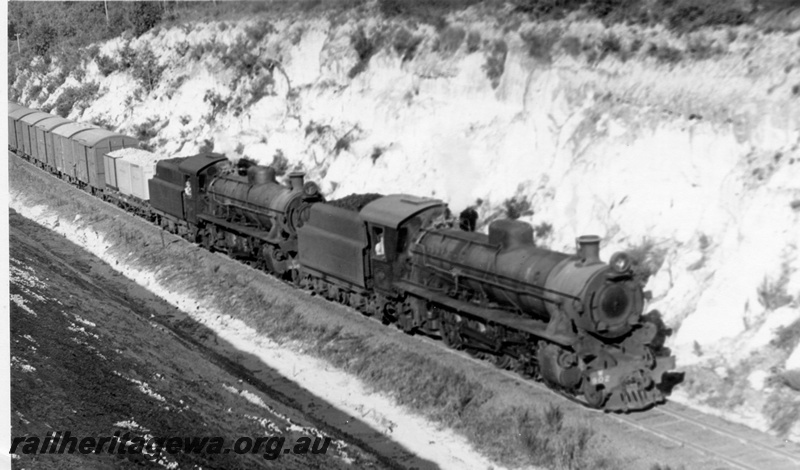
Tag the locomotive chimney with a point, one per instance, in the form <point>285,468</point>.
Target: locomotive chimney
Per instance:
<point>588,249</point>
<point>296,180</point>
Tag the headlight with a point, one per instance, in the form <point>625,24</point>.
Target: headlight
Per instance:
<point>620,262</point>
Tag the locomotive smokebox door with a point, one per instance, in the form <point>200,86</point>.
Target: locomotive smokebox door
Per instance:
<point>382,254</point>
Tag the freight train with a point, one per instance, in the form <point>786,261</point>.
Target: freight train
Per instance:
<point>569,320</point>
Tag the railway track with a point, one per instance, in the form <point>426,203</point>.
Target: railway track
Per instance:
<point>737,446</point>
<point>719,443</point>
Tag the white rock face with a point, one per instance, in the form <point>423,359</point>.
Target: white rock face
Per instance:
<point>699,159</point>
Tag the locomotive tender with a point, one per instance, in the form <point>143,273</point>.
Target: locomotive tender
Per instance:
<point>571,321</point>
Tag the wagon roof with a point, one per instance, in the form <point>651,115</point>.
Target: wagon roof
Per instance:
<point>391,211</point>
<point>12,106</point>
<point>33,118</point>
<point>52,122</point>
<point>136,156</point>
<point>198,163</point>
<point>93,137</point>
<point>68,130</point>
<point>20,112</point>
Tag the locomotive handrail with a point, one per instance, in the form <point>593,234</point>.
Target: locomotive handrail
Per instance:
<point>511,281</point>
<point>244,204</point>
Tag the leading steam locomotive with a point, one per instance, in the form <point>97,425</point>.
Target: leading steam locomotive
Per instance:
<point>569,320</point>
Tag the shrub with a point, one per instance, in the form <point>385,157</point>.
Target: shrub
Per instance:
<point>261,87</point>
<point>34,92</point>
<point>365,47</point>
<point>146,70</point>
<point>75,96</point>
<point>571,45</point>
<point>257,31</point>
<point>405,44</point>
<point>611,45</point>
<point>787,337</point>
<point>688,15</point>
<point>547,9</point>
<point>376,153</point>
<point>496,62</point>
<point>146,130</point>
<point>182,48</point>
<point>543,230</point>
<point>217,102</point>
<point>207,147</point>
<point>646,259</point>
<point>280,163</point>
<point>517,207</point>
<point>772,294</point>
<point>473,41</point>
<point>449,40</point>
<point>106,65</point>
<point>343,143</point>
<point>665,54</point>
<point>144,16</point>
<point>540,45</point>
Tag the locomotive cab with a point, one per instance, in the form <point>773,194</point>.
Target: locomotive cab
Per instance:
<point>392,222</point>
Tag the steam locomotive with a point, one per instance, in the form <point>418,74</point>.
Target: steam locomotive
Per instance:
<point>569,320</point>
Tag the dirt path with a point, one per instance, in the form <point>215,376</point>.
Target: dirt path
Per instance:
<point>93,353</point>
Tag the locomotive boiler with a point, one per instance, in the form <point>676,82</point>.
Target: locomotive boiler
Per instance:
<point>586,314</point>
<point>508,269</point>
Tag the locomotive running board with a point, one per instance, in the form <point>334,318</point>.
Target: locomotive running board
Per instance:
<point>500,317</point>
<point>259,234</point>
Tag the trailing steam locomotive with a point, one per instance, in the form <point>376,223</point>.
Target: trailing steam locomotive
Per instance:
<point>570,320</point>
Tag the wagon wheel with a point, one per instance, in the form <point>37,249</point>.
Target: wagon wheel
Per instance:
<point>594,398</point>
<point>450,335</point>
<point>503,361</point>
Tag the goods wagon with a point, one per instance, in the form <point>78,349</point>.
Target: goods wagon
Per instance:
<point>88,149</point>
<point>28,134</point>
<point>15,128</point>
<point>62,144</point>
<point>44,140</point>
<point>129,169</point>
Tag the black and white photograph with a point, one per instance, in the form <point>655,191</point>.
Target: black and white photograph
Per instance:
<point>402,234</point>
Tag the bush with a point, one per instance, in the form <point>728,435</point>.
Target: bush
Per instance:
<point>74,96</point>
<point>449,40</point>
<point>496,62</point>
<point>146,70</point>
<point>257,31</point>
<point>34,92</point>
<point>365,47</point>
<point>688,15</point>
<point>217,102</point>
<point>144,16</point>
<point>517,207</point>
<point>543,230</point>
<point>280,163</point>
<point>473,42</point>
<point>787,337</point>
<point>106,65</point>
<point>646,259</point>
<point>405,44</point>
<point>146,130</point>
<point>772,294</point>
<point>665,54</point>
<point>540,45</point>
